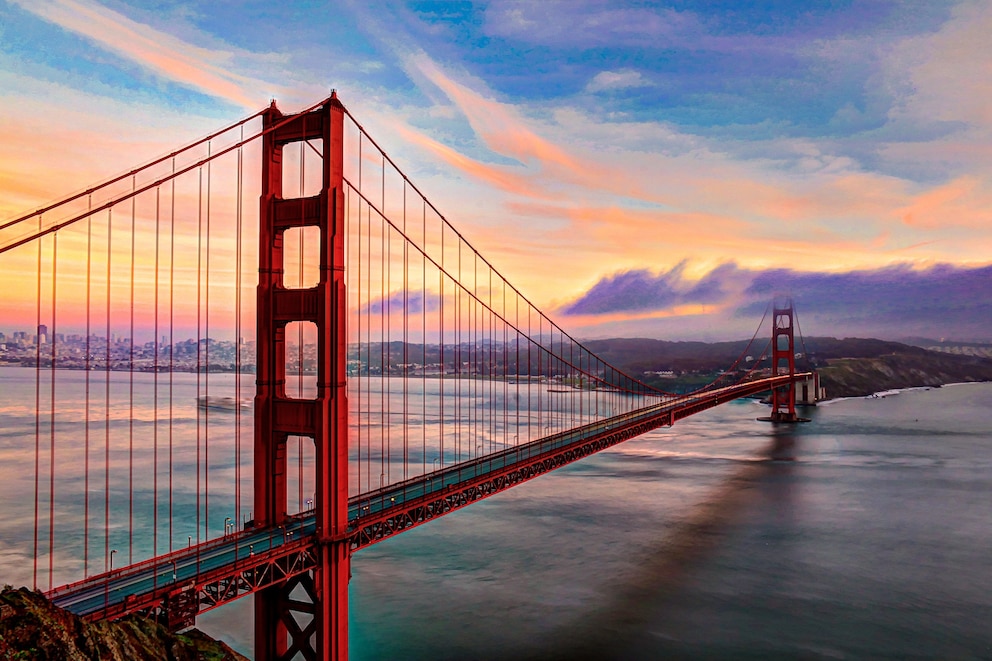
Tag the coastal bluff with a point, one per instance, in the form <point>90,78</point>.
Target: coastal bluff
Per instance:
<point>32,628</point>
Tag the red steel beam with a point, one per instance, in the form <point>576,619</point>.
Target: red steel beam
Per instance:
<point>177,605</point>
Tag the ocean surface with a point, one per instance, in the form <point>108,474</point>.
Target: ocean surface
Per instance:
<point>865,533</point>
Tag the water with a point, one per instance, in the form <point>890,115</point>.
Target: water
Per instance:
<point>162,473</point>
<point>871,542</point>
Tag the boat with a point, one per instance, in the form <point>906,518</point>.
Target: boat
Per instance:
<point>215,403</point>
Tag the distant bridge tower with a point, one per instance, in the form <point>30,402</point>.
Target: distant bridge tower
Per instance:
<point>783,362</point>
<point>278,633</point>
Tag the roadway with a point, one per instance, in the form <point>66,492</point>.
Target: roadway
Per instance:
<point>145,584</point>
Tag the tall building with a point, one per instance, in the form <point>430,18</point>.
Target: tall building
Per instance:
<point>42,334</point>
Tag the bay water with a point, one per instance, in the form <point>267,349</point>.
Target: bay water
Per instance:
<point>865,533</point>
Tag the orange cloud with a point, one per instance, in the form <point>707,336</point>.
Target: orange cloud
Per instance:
<point>962,202</point>
<point>495,123</point>
<point>492,175</point>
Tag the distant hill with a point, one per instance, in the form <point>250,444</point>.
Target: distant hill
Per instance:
<point>848,367</point>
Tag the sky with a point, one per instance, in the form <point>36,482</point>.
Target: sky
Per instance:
<point>658,169</point>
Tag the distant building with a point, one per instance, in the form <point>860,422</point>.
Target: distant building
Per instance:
<point>809,391</point>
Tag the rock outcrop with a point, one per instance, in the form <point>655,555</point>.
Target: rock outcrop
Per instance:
<point>31,628</point>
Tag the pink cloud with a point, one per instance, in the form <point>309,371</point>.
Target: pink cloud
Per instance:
<point>962,202</point>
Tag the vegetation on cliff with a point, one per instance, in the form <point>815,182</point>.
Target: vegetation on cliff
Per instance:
<point>848,367</point>
<point>32,628</point>
<point>857,377</point>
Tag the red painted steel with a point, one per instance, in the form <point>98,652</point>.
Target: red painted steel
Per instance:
<point>270,382</point>
<point>375,528</point>
<point>323,419</point>
<point>783,362</point>
<point>334,569</point>
<point>279,570</point>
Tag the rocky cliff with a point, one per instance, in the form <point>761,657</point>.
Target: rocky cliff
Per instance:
<point>32,628</point>
<point>858,377</point>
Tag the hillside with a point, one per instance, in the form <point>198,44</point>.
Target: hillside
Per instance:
<point>848,367</point>
<point>855,377</point>
<point>32,628</point>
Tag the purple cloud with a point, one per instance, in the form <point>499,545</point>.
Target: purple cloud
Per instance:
<point>627,291</point>
<point>414,302</point>
<point>640,290</point>
<point>895,302</point>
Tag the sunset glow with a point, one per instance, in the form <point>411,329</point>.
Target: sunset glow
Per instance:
<point>632,170</point>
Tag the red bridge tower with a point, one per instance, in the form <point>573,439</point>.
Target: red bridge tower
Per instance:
<point>278,634</point>
<point>783,362</point>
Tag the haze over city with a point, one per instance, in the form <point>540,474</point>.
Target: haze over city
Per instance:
<point>657,171</point>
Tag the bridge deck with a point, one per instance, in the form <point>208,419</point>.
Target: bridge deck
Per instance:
<point>192,580</point>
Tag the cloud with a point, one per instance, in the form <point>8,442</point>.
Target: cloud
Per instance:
<point>948,71</point>
<point>962,202</point>
<point>209,71</point>
<point>900,290</point>
<point>589,24</point>
<point>93,138</point>
<point>895,302</point>
<point>598,191</point>
<point>616,80</point>
<point>498,124</point>
<point>412,302</point>
<point>640,290</point>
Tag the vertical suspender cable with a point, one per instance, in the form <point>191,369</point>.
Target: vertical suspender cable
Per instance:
<point>358,328</point>
<point>51,420</point>
<point>382,338</point>
<point>237,331</point>
<point>86,432</point>
<point>37,416</point>
<point>155,339</point>
<point>387,319</point>
<point>130,417</point>
<point>458,353</point>
<point>440,328</point>
<point>199,357</point>
<point>299,325</point>
<point>517,399</point>
<point>352,305</point>
<point>423,313</point>
<point>172,338</point>
<point>362,295</point>
<point>406,343</point>
<point>492,359</point>
<point>506,375</point>
<point>539,350</point>
<point>106,394</point>
<point>368,353</point>
<point>474,410</point>
<point>530,342</point>
<point>206,364</point>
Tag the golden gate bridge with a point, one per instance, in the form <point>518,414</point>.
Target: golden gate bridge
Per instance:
<point>394,376</point>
